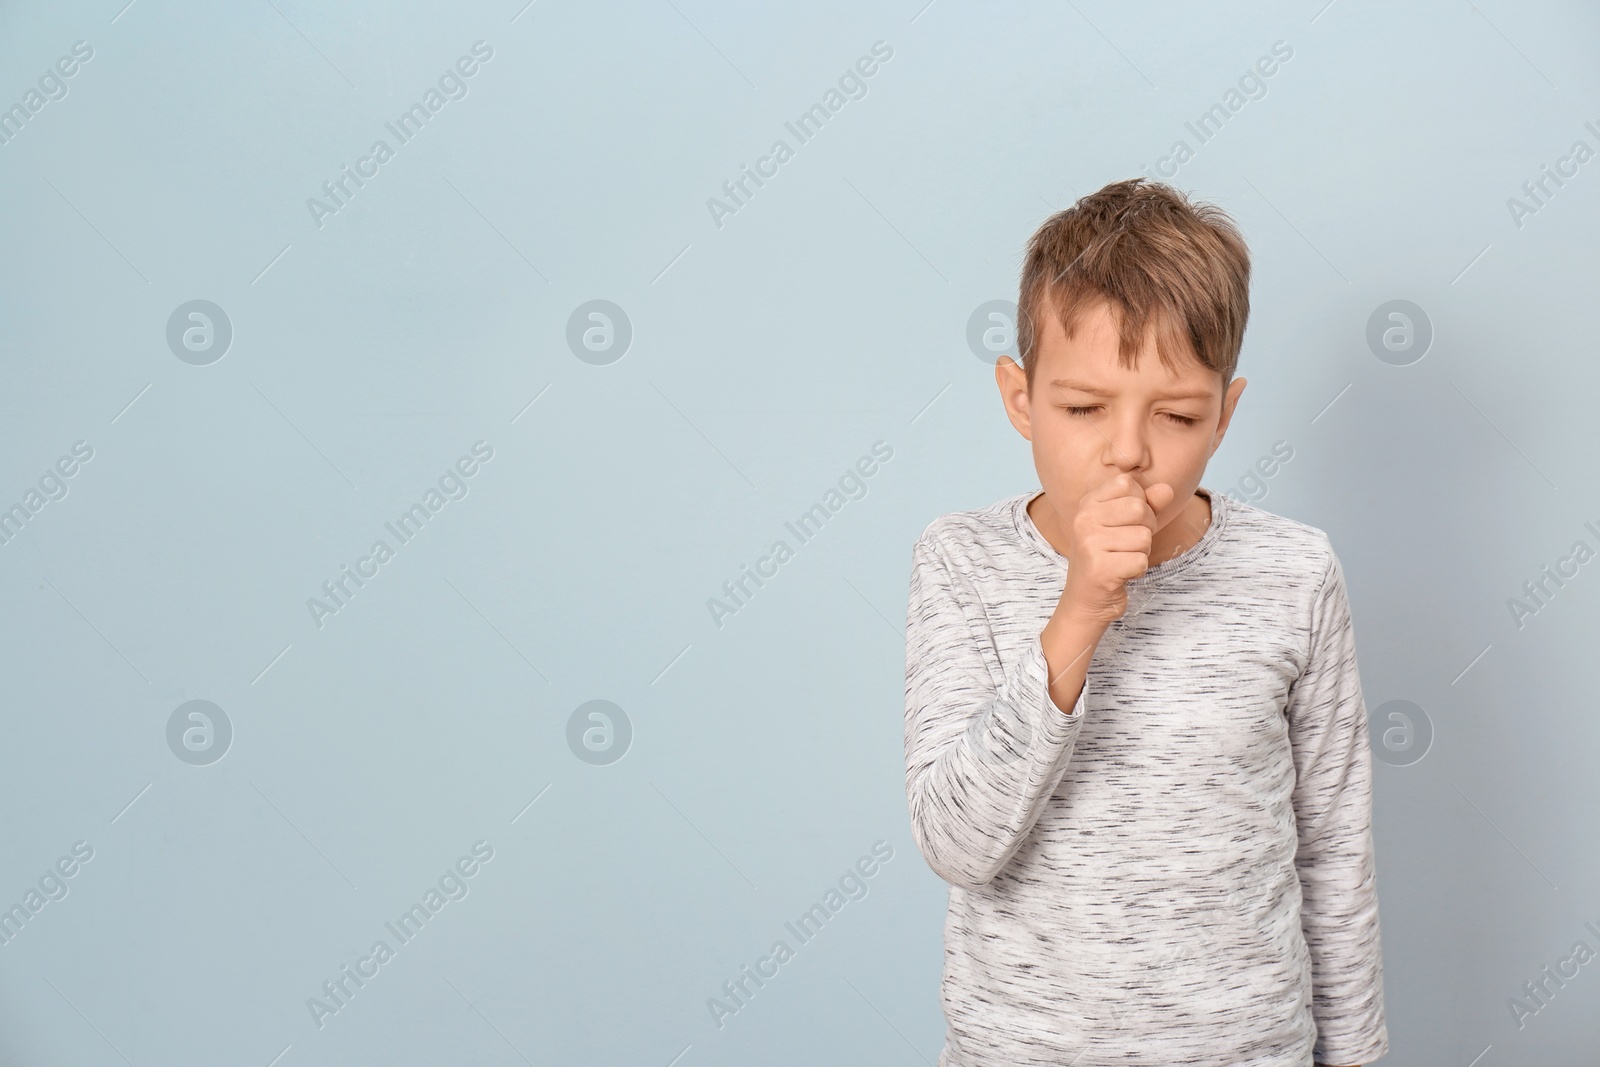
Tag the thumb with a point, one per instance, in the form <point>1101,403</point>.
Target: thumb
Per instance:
<point>1159,495</point>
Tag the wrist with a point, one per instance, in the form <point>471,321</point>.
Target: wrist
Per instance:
<point>1069,619</point>
<point>1070,636</point>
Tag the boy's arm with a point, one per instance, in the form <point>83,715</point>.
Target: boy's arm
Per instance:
<point>1333,812</point>
<point>981,762</point>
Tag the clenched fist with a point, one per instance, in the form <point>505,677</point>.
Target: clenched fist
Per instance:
<point>1112,532</point>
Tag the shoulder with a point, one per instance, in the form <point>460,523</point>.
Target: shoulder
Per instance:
<point>1280,546</point>
<point>973,533</point>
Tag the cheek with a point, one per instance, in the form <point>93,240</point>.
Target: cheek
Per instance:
<point>1187,452</point>
<point>1068,432</point>
<point>1067,446</point>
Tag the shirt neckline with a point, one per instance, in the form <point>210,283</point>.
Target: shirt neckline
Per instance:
<point>1220,513</point>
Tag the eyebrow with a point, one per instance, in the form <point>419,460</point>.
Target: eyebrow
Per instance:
<point>1082,387</point>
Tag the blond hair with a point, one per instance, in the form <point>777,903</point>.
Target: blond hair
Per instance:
<point>1156,259</point>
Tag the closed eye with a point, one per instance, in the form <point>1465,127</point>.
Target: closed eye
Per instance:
<point>1181,420</point>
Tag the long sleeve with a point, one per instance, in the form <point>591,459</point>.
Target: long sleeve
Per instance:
<point>1335,856</point>
<point>981,760</point>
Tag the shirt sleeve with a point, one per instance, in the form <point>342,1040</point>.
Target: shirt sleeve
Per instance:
<point>981,760</point>
<point>1333,812</point>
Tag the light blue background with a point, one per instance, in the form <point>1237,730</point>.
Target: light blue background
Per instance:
<point>768,355</point>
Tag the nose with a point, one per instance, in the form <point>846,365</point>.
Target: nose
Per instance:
<point>1128,443</point>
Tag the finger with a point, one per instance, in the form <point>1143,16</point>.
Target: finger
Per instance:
<point>1127,544</point>
<point>1121,484</point>
<point>1159,495</point>
<point>1156,497</point>
<point>1135,537</point>
<point>1127,565</point>
<point>1123,511</point>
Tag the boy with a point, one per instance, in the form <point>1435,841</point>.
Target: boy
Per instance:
<point>1136,745</point>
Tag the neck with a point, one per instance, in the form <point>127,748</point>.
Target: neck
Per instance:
<point>1183,532</point>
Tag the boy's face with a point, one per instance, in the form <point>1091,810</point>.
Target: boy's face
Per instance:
<point>1089,418</point>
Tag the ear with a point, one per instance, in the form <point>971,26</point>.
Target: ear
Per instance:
<point>1230,401</point>
<point>1013,384</point>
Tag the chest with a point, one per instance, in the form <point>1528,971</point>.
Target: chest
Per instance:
<point>1193,676</point>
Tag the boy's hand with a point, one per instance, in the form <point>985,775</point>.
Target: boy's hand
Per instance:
<point>1112,530</point>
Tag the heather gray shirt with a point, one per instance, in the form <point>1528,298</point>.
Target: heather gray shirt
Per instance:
<point>1179,871</point>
